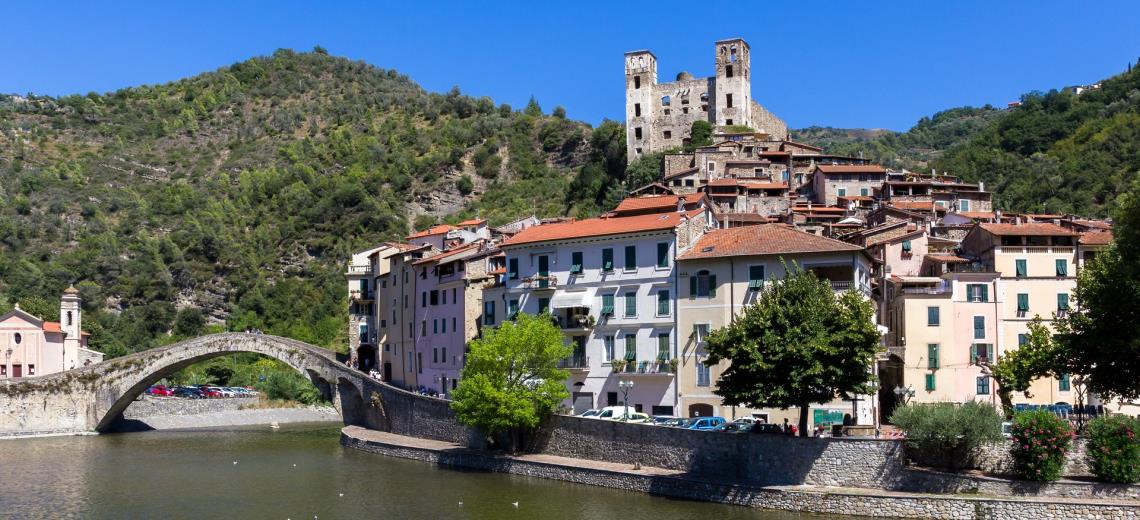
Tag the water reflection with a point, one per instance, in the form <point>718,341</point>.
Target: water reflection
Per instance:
<point>298,472</point>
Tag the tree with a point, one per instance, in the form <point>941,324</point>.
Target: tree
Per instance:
<point>511,379</point>
<point>1102,340</point>
<point>700,134</point>
<point>1017,368</point>
<point>644,170</point>
<point>798,344</point>
<point>532,109</point>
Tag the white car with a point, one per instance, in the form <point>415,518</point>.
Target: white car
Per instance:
<point>593,412</point>
<point>634,417</point>
<point>613,413</point>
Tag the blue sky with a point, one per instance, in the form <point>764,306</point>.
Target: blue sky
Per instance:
<point>844,64</point>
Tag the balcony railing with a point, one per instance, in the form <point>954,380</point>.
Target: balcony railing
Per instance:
<point>359,269</point>
<point>926,290</point>
<point>540,282</point>
<point>1057,250</point>
<point>635,367</point>
<point>575,362</point>
<point>360,296</point>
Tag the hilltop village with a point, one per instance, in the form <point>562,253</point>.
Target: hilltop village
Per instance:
<point>954,281</point>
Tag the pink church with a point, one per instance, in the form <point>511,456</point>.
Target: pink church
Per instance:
<point>31,346</point>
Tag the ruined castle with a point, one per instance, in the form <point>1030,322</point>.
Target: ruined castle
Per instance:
<point>659,116</point>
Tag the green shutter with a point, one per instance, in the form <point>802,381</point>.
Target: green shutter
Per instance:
<point>1020,267</point>
<point>607,305</point>
<point>692,286</point>
<point>712,286</point>
<point>1063,383</point>
<point>756,277</point>
<point>985,293</point>
<point>607,259</point>
<point>1062,267</point>
<point>932,316</point>
<point>1022,302</point>
<point>513,270</point>
<point>929,382</point>
<point>630,304</point>
<point>630,347</point>
<point>663,303</point>
<point>932,356</point>
<point>906,246</point>
<point>663,255</point>
<point>974,354</point>
<point>1063,301</point>
<point>663,347</point>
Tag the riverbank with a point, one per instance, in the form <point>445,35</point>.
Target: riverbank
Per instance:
<point>171,414</point>
<point>679,484</point>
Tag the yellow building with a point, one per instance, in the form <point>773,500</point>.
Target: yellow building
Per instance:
<point>725,272</point>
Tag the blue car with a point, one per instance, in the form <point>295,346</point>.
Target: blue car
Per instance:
<point>706,423</point>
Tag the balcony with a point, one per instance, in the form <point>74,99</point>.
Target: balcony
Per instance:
<point>927,290</point>
<point>359,269</point>
<point>663,368</point>
<point>1032,250</point>
<point>540,282</point>
<point>575,363</point>
<point>357,295</point>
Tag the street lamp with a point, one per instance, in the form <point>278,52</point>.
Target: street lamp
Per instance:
<point>625,387</point>
<point>904,395</point>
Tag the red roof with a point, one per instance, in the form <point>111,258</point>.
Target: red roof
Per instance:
<point>473,222</point>
<point>977,215</point>
<point>818,209</point>
<point>434,230</point>
<point>850,168</point>
<point>1096,238</point>
<point>446,255</point>
<point>600,227</point>
<point>762,239</point>
<point>655,202</point>
<point>926,205</point>
<point>764,185</point>
<point>52,326</point>
<point>1034,229</point>
<point>946,258</point>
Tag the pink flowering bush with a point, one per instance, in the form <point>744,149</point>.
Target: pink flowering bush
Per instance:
<point>1114,448</point>
<point>1041,440</point>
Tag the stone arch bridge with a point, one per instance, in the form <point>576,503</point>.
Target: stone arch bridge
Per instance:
<point>93,398</point>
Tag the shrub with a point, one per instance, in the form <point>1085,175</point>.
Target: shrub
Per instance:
<point>1114,448</point>
<point>465,185</point>
<point>944,434</point>
<point>1040,440</point>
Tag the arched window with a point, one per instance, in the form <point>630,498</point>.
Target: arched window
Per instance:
<point>18,338</point>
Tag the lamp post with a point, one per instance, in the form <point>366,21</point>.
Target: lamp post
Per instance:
<point>7,358</point>
<point>904,395</point>
<point>625,387</point>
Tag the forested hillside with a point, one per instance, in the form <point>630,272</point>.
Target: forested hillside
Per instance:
<point>1058,152</point>
<point>237,195</point>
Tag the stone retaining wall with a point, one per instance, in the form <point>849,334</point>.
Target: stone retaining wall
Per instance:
<point>149,407</point>
<point>835,502</point>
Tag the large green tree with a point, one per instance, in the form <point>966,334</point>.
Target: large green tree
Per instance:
<point>798,344</point>
<point>511,379</point>
<point>1102,339</point>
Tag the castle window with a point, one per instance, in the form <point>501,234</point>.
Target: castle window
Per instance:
<point>637,82</point>
<point>728,101</point>
<point>69,320</point>
<point>689,182</point>
<point>637,151</point>
<point>705,97</point>
<point>728,121</point>
<point>667,111</point>
<point>704,108</point>
<point>732,58</point>
<point>637,109</point>
<point>637,132</point>
<point>665,100</point>
<point>728,69</point>
<point>668,134</point>
<point>712,167</point>
<point>685,101</point>
<point>684,110</point>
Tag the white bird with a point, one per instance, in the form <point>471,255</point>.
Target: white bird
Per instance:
<point>460,503</point>
<point>516,504</point>
<point>235,463</point>
<point>341,495</point>
<point>294,465</point>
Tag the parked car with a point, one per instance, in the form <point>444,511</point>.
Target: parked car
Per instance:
<point>593,412</point>
<point>745,420</point>
<point>661,420</point>
<point>679,422</point>
<point>252,391</point>
<point>706,423</point>
<point>209,392</point>
<point>612,412</point>
<point>767,428</point>
<point>634,417</point>
<point>222,391</point>
<point>734,427</point>
<point>159,391</point>
<point>186,392</point>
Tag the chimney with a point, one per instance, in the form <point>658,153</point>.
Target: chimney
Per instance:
<point>981,186</point>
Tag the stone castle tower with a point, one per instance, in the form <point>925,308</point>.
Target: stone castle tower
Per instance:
<point>71,323</point>
<point>659,116</point>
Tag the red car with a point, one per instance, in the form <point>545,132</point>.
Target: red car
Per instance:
<point>159,391</point>
<point>209,393</point>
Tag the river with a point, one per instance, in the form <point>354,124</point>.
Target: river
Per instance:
<point>297,472</point>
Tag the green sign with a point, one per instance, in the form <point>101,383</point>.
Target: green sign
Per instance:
<point>827,417</point>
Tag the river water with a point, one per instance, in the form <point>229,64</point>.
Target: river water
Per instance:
<point>298,472</point>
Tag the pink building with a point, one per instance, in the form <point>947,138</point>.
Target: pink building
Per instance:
<point>34,347</point>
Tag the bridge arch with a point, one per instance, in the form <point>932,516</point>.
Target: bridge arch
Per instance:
<point>122,380</point>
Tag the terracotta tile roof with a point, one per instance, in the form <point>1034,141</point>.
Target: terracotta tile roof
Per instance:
<point>743,217</point>
<point>1034,229</point>
<point>1093,224</point>
<point>944,258</point>
<point>802,145</point>
<point>976,215</point>
<point>682,172</point>
<point>764,185</point>
<point>818,209</point>
<point>472,222</point>
<point>434,230</point>
<point>763,239</point>
<point>723,182</point>
<point>656,202</point>
<point>449,254</point>
<point>52,326</point>
<point>1096,238</point>
<point>600,227</point>
<point>924,205</point>
<point>855,197</point>
<point>850,168</point>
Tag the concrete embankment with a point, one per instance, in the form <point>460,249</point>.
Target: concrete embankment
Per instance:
<point>679,484</point>
<point>167,414</point>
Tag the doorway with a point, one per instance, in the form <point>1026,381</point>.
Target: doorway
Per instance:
<point>890,377</point>
<point>583,401</point>
<point>700,410</point>
<point>17,370</point>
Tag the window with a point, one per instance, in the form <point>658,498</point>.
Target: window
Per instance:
<point>701,331</point>
<point>443,354</point>
<point>755,277</point>
<point>1063,384</point>
<point>18,338</point>
<point>453,327</point>
<point>637,109</point>
<point>983,351</point>
<point>977,292</point>
<point>841,191</point>
<point>608,260</point>
<point>70,322</point>
<point>434,297</point>
<point>1022,339</point>
<point>420,362</point>
<point>932,356</point>
<point>1022,304</point>
<point>513,269</point>
<point>667,134</point>
<point>489,313</point>
<point>929,382</point>
<point>703,285</point>
<point>607,305</point>
<point>663,303</point>
<point>665,101</point>
<point>728,73</point>
<point>712,166</point>
<point>423,299</point>
<point>630,258</point>
<point>435,355</point>
<point>423,327</point>
<point>31,370</point>
<point>728,103</point>
<point>906,247</point>
<point>444,296</point>
<point>576,262</point>
<point>631,347</point>
<point>963,205</point>
<point>663,254</point>
<point>933,316</point>
<point>435,326</point>
<point>630,304</point>
<point>637,82</point>
<point>1062,303</point>
<point>864,192</point>
<point>1062,270</point>
<point>663,347</point>
<point>1019,266</point>
<point>979,327</point>
<point>983,385</point>
<point>543,305</point>
<point>611,398</point>
<point>637,133</point>
<point>608,343</point>
<point>405,301</point>
<point>512,309</point>
<point>703,378</point>
<point>443,325</point>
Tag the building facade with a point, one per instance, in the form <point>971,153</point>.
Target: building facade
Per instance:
<point>34,347</point>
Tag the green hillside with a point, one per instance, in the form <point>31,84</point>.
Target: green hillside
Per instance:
<point>238,194</point>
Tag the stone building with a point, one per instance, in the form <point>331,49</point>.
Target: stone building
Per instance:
<point>659,116</point>
<point>34,347</point>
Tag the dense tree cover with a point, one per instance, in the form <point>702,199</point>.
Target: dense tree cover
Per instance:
<point>511,379</point>
<point>232,199</point>
<point>798,344</point>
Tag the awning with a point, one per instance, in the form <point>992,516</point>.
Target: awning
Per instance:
<point>565,299</point>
